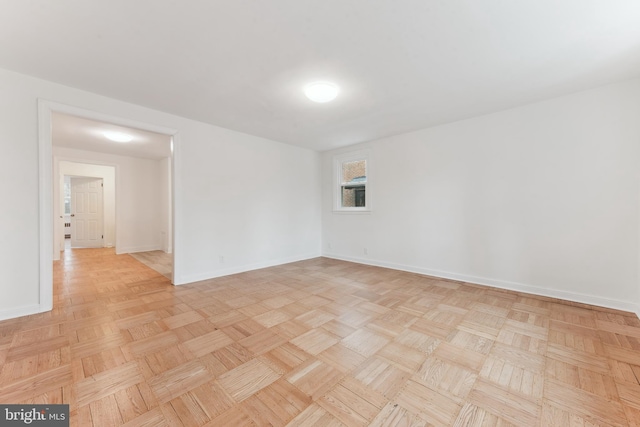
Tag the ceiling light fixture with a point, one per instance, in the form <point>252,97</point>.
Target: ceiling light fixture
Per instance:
<point>321,91</point>
<point>117,136</point>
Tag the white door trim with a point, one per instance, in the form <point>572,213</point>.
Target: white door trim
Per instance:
<point>45,189</point>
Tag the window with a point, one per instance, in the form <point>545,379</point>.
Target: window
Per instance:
<point>352,184</point>
<point>67,196</point>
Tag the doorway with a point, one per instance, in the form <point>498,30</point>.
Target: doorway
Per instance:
<point>48,208</point>
<point>143,203</point>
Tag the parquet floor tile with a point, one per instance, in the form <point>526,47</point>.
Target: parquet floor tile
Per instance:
<point>352,403</point>
<point>473,416</point>
<point>432,406</point>
<point>402,356</point>
<point>314,377</point>
<point>272,318</point>
<point>316,343</point>
<point>446,378</point>
<point>232,356</point>
<point>234,416</point>
<point>178,380</point>
<point>107,383</point>
<point>585,405</point>
<point>381,376</point>
<point>514,407</point>
<point>365,342</point>
<point>468,359</point>
<point>578,358</point>
<point>522,341</point>
<point>393,415</point>
<point>388,329</point>
<point>341,358</point>
<point>315,416</point>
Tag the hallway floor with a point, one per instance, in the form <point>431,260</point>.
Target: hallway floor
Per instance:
<point>159,261</point>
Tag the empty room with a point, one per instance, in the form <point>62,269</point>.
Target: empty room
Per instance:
<point>329,213</point>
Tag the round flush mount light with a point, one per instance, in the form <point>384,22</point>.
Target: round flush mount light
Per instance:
<point>117,136</point>
<point>321,91</point>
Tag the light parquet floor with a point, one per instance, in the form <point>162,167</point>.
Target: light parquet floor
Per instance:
<point>316,343</point>
<point>159,261</point>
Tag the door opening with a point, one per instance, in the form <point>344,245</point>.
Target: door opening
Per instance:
<point>46,110</point>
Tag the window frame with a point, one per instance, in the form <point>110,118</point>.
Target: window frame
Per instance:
<point>65,198</point>
<point>338,161</point>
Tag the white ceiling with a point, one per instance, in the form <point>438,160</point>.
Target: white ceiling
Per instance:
<point>84,134</point>
<point>402,65</point>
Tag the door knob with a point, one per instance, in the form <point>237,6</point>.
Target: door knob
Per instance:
<point>73,214</point>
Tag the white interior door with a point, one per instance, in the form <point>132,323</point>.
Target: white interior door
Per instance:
<point>86,213</point>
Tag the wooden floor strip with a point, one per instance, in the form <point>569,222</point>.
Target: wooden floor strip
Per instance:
<point>108,382</point>
<point>179,380</point>
<point>584,404</point>
<point>247,379</point>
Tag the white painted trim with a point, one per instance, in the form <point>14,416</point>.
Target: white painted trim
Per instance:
<point>244,268</point>
<point>45,208</point>
<point>95,115</point>
<point>45,190</point>
<point>176,206</point>
<point>12,313</point>
<point>502,284</point>
<point>345,211</point>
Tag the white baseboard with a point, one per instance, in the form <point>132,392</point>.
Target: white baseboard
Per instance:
<point>134,249</point>
<point>502,284</point>
<point>190,278</point>
<point>12,313</point>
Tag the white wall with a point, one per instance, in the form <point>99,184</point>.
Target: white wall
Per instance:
<point>254,201</point>
<point>251,201</point>
<point>542,198</point>
<point>108,175</point>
